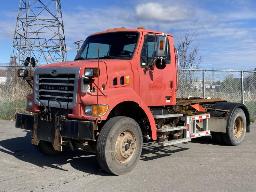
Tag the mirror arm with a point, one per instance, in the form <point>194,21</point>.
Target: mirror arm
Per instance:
<point>29,83</point>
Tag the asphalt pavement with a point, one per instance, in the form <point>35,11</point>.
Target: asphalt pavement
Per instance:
<point>196,166</point>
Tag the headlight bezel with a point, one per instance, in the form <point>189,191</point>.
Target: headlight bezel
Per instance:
<point>91,72</point>
<point>96,110</point>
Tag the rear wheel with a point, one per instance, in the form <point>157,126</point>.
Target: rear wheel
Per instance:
<point>236,128</point>
<point>119,145</point>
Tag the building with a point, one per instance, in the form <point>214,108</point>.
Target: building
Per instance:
<point>3,76</point>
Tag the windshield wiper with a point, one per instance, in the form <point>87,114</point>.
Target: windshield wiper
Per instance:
<point>79,58</point>
<point>104,57</point>
<point>107,57</point>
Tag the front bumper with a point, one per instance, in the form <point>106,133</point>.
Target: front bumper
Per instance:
<point>24,121</point>
<point>46,130</point>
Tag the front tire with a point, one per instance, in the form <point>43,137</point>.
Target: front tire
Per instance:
<point>46,148</point>
<point>119,145</point>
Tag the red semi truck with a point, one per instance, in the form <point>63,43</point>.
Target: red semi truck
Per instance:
<point>119,92</point>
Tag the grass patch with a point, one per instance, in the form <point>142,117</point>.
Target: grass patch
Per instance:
<point>13,99</point>
<point>251,105</point>
<point>8,109</point>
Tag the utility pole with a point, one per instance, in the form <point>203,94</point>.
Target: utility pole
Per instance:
<point>39,32</point>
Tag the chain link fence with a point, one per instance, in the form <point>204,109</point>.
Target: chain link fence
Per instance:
<point>13,93</point>
<point>231,85</point>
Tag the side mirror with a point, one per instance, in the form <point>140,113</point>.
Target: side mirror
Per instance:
<point>22,73</point>
<point>160,63</point>
<point>160,60</point>
<point>161,46</point>
<point>31,61</point>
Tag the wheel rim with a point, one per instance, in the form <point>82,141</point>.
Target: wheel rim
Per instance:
<point>125,146</point>
<point>238,127</point>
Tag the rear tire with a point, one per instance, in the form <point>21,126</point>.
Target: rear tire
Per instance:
<point>46,148</point>
<point>119,145</point>
<point>236,128</point>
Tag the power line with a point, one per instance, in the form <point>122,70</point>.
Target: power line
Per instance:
<point>39,32</point>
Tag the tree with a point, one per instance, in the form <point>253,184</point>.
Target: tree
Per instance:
<point>189,58</point>
<point>250,81</point>
<point>188,54</point>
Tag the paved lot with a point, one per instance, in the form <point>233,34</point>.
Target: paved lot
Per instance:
<point>197,166</point>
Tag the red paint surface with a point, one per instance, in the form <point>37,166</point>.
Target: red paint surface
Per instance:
<point>146,88</point>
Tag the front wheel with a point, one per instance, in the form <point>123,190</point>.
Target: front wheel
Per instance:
<point>46,148</point>
<point>119,145</point>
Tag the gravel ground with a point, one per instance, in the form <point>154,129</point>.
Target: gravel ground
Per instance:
<point>197,166</point>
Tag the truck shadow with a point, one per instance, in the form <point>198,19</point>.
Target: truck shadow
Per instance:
<point>152,151</point>
<point>22,149</point>
<point>205,140</point>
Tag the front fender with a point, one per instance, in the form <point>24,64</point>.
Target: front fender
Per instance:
<point>112,98</point>
<point>128,95</point>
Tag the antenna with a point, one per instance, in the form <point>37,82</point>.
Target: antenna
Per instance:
<point>39,32</point>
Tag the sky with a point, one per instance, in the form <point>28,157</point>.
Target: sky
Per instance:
<point>224,31</point>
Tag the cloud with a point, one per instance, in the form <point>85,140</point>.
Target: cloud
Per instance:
<point>6,29</point>
<point>222,36</point>
<point>225,31</point>
<point>84,21</point>
<point>160,12</point>
<point>7,25</point>
<point>240,15</point>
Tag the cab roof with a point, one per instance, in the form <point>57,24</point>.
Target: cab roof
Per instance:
<point>123,29</point>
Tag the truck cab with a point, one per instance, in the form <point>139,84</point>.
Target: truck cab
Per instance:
<point>118,92</point>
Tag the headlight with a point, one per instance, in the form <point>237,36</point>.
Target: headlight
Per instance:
<point>88,73</point>
<point>22,73</point>
<point>88,110</point>
<point>29,105</point>
<point>96,110</point>
<point>91,72</point>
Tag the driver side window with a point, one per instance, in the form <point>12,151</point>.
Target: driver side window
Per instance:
<point>148,50</point>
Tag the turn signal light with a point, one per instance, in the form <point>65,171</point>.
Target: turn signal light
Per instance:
<point>96,110</point>
<point>127,80</point>
<point>161,45</point>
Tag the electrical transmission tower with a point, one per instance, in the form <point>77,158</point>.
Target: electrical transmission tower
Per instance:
<point>39,32</point>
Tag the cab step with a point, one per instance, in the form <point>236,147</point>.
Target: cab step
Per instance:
<point>166,116</point>
<point>174,142</point>
<point>167,128</point>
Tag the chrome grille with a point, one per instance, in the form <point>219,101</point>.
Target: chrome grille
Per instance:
<point>56,90</point>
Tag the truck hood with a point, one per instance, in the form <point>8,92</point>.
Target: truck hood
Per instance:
<point>73,64</point>
<point>106,66</point>
<point>79,65</point>
<point>112,68</point>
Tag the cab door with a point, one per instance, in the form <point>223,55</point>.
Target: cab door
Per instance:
<point>157,86</point>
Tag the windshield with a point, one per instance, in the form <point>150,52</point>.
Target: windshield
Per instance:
<point>117,45</point>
